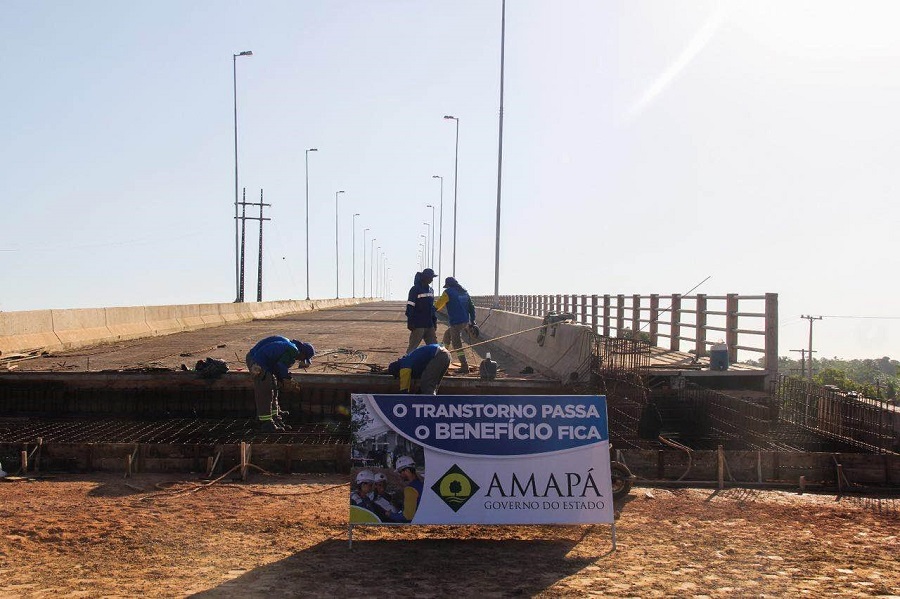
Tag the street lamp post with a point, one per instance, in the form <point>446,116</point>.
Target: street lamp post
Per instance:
<point>337,266</point>
<point>499,160</point>
<point>428,240</point>
<point>366,230</point>
<point>354,254</point>
<point>237,266</point>
<point>307,218</point>
<point>432,233</point>
<point>455,182</point>
<point>372,268</point>
<point>440,227</point>
<point>377,272</point>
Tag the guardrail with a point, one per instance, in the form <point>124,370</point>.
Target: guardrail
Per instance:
<point>745,323</point>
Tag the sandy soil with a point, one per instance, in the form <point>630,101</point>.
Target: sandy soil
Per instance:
<point>159,536</point>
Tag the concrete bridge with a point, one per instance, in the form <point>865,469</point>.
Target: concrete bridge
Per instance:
<point>87,388</point>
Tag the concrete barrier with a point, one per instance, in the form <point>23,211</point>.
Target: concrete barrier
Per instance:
<point>564,355</point>
<point>127,323</point>
<point>77,328</point>
<point>53,330</point>
<point>26,331</point>
<point>162,320</point>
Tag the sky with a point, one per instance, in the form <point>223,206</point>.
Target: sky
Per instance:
<point>647,145</point>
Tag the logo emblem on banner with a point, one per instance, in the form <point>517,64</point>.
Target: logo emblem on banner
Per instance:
<point>455,488</point>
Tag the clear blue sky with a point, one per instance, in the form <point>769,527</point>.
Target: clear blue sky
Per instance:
<point>647,145</point>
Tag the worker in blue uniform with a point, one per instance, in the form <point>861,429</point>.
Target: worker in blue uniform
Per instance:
<point>268,363</point>
<point>428,363</point>
<point>421,317</point>
<point>460,315</point>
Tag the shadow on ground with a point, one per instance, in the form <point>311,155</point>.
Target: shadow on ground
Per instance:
<point>413,568</point>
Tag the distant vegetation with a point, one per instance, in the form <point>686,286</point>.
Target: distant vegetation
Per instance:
<point>879,378</point>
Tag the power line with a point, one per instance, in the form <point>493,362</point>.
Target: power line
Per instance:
<point>866,317</point>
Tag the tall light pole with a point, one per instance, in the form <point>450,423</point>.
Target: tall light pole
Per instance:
<point>499,160</point>
<point>354,254</point>
<point>237,266</point>
<point>377,272</point>
<point>372,268</point>
<point>428,240</point>
<point>440,228</point>
<point>337,266</point>
<point>307,218</point>
<point>455,182</point>
<point>366,230</point>
<point>424,245</point>
<point>432,233</point>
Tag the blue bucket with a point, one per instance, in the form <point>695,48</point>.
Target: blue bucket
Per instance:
<point>718,357</point>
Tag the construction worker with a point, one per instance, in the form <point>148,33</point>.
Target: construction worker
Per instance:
<point>268,363</point>
<point>413,485</point>
<point>421,318</point>
<point>460,314</point>
<point>428,363</point>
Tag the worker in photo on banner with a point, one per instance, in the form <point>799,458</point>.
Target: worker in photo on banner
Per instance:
<point>268,363</point>
<point>428,364</point>
<point>384,507</point>
<point>421,317</point>
<point>460,315</point>
<point>361,495</point>
<point>413,485</point>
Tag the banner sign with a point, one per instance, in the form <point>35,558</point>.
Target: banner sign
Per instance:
<point>470,459</point>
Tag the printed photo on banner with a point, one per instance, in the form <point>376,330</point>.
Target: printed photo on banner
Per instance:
<point>388,470</point>
<point>480,460</point>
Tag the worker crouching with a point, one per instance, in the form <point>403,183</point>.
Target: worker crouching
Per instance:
<point>268,363</point>
<point>428,363</point>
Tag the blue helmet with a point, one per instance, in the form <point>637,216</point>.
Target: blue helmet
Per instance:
<point>307,351</point>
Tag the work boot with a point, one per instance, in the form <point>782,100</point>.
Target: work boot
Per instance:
<point>279,423</point>
<point>269,426</point>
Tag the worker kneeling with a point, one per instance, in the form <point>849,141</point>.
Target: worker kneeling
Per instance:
<point>428,363</point>
<point>268,363</point>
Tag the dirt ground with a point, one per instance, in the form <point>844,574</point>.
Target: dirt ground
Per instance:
<point>161,536</point>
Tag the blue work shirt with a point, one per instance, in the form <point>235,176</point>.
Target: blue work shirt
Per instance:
<point>275,355</point>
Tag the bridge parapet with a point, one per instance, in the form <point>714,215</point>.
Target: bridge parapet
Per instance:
<point>745,323</point>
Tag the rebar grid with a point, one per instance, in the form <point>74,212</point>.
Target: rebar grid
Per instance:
<point>856,421</point>
<point>185,431</point>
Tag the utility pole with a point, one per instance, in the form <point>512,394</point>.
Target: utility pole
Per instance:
<point>810,319</point>
<point>802,361</point>
<point>259,271</point>
<point>243,243</point>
